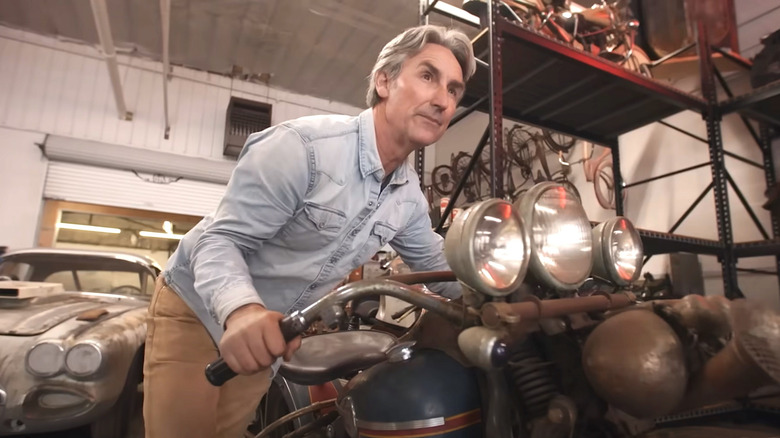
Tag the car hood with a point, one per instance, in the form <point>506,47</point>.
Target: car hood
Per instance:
<point>36,316</point>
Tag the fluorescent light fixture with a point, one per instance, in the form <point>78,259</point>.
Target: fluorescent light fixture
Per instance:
<point>160,235</point>
<point>454,12</point>
<point>79,227</point>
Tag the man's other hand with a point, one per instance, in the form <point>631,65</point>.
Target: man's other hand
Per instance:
<point>253,340</point>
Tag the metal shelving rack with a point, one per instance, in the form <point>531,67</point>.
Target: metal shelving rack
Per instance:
<point>583,85</point>
<point>762,105</point>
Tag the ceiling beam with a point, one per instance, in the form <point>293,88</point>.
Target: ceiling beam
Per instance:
<point>165,19</point>
<point>100,12</point>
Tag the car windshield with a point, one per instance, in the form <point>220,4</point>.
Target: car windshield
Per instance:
<point>81,273</point>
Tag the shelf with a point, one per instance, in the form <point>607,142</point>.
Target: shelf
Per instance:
<point>688,66</point>
<point>540,81</point>
<point>757,248</point>
<point>663,243</point>
<point>549,84</point>
<point>762,104</point>
<point>655,242</point>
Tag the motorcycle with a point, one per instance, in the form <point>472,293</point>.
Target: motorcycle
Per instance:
<point>607,29</point>
<point>546,341</point>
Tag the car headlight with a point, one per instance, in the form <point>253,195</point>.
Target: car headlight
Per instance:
<point>45,359</point>
<point>487,247</point>
<point>561,243</point>
<point>84,359</point>
<point>618,251</point>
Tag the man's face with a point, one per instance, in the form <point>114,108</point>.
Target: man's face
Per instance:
<point>421,101</point>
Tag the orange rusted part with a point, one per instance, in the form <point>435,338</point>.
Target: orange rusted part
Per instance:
<point>512,313</point>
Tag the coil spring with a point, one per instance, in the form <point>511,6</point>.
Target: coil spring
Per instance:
<point>354,323</point>
<point>533,380</point>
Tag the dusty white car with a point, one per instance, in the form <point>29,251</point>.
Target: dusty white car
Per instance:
<point>71,350</point>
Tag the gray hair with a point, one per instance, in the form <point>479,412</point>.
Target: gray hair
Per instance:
<point>410,43</point>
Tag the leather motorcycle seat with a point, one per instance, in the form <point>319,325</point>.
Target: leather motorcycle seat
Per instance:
<point>329,356</point>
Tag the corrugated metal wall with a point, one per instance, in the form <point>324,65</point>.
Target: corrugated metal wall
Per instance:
<point>60,88</point>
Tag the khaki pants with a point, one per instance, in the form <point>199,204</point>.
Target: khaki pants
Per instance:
<point>178,400</point>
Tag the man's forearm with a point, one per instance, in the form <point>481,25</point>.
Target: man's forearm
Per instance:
<point>222,277</point>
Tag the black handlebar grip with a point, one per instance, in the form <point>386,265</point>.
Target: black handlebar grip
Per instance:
<point>291,327</point>
<point>218,372</point>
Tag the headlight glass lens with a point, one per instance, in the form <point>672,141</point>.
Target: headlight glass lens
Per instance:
<point>499,246</point>
<point>562,236</point>
<point>45,359</point>
<point>625,251</point>
<point>488,248</point>
<point>84,359</point>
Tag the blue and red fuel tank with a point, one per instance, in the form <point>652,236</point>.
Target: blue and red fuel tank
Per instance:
<point>428,394</point>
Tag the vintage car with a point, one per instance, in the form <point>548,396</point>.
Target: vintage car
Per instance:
<point>72,331</point>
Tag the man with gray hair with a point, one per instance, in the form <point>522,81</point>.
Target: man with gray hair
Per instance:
<point>310,200</point>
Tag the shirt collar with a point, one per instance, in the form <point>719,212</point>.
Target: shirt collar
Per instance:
<point>369,154</point>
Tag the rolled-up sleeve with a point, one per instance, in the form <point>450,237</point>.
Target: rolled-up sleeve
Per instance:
<point>423,250</point>
<point>266,188</point>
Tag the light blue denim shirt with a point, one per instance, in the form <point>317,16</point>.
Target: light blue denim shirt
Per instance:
<point>303,207</point>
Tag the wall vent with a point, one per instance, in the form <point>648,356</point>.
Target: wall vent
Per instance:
<point>244,117</point>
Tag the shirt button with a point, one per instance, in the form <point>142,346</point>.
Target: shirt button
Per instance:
<point>370,203</point>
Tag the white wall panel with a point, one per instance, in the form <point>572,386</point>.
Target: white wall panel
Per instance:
<point>7,51</point>
<point>60,88</point>
<point>755,19</point>
<point>95,185</point>
<point>22,173</point>
<point>36,89</point>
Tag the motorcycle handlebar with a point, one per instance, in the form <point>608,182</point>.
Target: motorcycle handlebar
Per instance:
<point>218,372</point>
<point>294,325</point>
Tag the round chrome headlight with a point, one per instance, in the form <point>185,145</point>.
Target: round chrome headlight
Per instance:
<point>561,243</point>
<point>45,359</point>
<point>618,251</point>
<point>84,359</point>
<point>487,248</point>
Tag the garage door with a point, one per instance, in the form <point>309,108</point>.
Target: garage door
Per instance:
<point>131,189</point>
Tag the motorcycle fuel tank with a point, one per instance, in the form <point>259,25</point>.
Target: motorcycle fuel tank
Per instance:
<point>421,393</point>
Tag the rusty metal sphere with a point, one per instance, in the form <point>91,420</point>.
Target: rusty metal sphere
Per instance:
<point>635,361</point>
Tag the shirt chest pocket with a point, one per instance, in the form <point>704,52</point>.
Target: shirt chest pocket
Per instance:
<point>314,227</point>
<point>381,233</point>
<point>325,219</point>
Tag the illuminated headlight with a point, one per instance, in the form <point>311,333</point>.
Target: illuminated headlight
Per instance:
<point>561,243</point>
<point>618,251</point>
<point>84,359</point>
<point>487,248</point>
<point>45,359</point>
